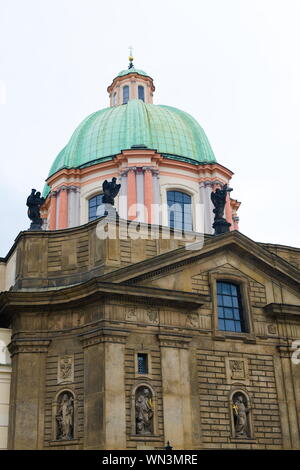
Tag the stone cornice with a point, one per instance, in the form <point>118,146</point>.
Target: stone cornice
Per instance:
<point>29,345</point>
<point>282,310</point>
<point>119,79</point>
<point>12,301</point>
<point>243,246</point>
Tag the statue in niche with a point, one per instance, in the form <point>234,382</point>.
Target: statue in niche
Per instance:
<point>65,417</point>
<point>144,411</point>
<point>34,203</point>
<point>241,412</point>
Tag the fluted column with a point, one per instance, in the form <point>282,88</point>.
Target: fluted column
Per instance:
<point>148,194</point>
<point>131,194</point>
<point>52,221</point>
<point>63,208</point>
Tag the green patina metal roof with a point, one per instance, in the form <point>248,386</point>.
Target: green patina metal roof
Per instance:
<point>107,132</point>
<point>132,70</point>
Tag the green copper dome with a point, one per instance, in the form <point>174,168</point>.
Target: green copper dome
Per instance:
<point>132,70</point>
<point>107,132</point>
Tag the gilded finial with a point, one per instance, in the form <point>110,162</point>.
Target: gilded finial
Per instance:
<point>130,58</point>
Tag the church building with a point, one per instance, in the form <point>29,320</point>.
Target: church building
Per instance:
<point>139,326</point>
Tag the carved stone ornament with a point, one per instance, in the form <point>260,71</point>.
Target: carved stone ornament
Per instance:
<point>237,370</point>
<point>65,372</point>
<point>152,315</point>
<point>192,320</point>
<point>144,411</point>
<point>65,416</point>
<point>130,314</point>
<point>272,329</point>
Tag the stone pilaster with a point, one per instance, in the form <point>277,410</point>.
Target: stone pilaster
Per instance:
<point>205,192</point>
<point>156,198</point>
<point>176,380</point>
<point>104,389</point>
<point>26,417</point>
<point>123,197</point>
<point>287,398</point>
<point>140,195</point>
<point>74,206</point>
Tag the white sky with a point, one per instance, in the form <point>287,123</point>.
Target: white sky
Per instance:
<point>233,64</point>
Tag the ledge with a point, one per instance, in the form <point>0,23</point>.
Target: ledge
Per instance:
<point>67,442</point>
<point>282,309</point>
<point>145,438</point>
<point>235,440</point>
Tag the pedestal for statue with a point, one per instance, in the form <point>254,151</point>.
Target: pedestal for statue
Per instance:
<point>221,226</point>
<point>35,227</point>
<point>107,210</point>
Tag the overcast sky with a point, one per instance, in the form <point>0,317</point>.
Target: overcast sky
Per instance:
<point>233,64</point>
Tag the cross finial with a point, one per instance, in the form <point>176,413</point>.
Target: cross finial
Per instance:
<point>130,57</point>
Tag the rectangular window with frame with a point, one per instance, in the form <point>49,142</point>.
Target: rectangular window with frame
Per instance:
<point>142,363</point>
<point>230,308</point>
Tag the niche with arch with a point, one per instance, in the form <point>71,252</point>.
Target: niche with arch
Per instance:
<point>241,417</point>
<point>143,411</point>
<point>64,412</point>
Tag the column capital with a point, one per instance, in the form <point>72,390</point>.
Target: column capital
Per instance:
<point>103,335</point>
<point>174,341</point>
<point>284,351</point>
<point>147,169</point>
<point>28,345</point>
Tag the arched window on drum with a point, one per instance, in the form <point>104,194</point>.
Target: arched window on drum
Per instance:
<point>141,92</point>
<point>125,94</point>
<point>179,210</point>
<point>94,203</point>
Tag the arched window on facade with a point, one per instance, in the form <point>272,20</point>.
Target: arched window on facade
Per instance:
<point>141,92</point>
<point>179,210</point>
<point>125,94</point>
<point>230,309</point>
<point>94,203</point>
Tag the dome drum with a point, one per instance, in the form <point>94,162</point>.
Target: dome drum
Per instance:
<point>157,152</point>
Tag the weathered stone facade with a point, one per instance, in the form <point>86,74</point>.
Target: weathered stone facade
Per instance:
<point>84,312</point>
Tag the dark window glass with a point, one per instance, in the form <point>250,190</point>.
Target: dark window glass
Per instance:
<point>94,203</point>
<point>125,94</point>
<point>141,93</point>
<point>230,312</point>
<point>142,363</point>
<point>179,210</point>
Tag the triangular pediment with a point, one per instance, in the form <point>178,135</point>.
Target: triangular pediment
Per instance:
<point>229,253</point>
